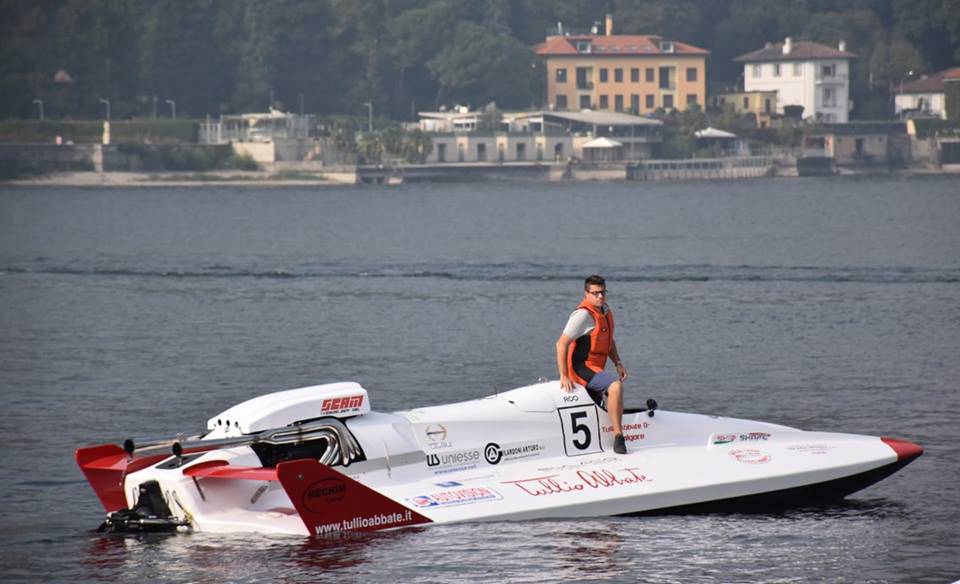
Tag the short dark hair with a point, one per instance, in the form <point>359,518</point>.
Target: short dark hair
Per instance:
<point>594,280</point>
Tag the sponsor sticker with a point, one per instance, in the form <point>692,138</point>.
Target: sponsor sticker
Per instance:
<point>444,462</point>
<point>340,405</point>
<point>376,521</point>
<point>724,438</point>
<point>464,496</point>
<point>810,448</point>
<point>448,484</point>
<point>493,453</point>
<point>581,480</point>
<point>750,456</point>
<point>754,436</point>
<point>324,492</point>
<point>436,435</point>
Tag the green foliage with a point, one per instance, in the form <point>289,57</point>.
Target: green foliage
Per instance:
<point>952,94</point>
<point>213,57</point>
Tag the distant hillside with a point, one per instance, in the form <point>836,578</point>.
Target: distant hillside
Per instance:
<point>331,56</point>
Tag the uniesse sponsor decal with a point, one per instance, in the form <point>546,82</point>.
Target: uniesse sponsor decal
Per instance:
<point>453,461</point>
<point>336,405</point>
<point>377,521</point>
<point>462,496</point>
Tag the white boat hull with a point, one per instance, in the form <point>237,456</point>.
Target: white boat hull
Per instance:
<point>532,453</point>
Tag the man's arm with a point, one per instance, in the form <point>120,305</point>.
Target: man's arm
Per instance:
<point>615,355</point>
<point>563,345</point>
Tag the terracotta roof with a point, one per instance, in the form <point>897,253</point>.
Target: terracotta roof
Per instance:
<point>614,45</point>
<point>800,51</point>
<point>932,83</point>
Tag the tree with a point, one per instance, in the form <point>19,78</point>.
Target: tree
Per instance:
<point>480,67</point>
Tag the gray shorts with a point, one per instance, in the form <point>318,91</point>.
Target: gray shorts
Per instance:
<point>598,385</point>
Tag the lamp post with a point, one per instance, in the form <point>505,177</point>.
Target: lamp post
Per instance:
<point>173,108</point>
<point>39,102</point>
<point>106,102</point>
<point>900,93</point>
<point>369,116</point>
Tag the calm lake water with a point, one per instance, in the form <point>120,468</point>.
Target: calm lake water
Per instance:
<point>826,304</point>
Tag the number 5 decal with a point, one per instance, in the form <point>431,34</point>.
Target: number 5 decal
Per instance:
<point>581,430</point>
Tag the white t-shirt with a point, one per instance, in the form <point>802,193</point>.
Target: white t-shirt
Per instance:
<point>581,323</point>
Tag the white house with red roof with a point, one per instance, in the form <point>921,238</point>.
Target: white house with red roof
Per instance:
<point>925,94</point>
<point>803,73</point>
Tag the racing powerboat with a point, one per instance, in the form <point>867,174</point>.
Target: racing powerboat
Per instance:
<point>317,461</point>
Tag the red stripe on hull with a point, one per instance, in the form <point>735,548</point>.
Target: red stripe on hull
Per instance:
<point>906,451</point>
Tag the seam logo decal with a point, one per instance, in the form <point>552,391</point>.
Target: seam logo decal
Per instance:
<point>339,405</point>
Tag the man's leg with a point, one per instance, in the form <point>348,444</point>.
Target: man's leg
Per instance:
<point>615,406</point>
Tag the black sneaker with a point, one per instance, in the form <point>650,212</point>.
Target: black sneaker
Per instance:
<point>619,446</point>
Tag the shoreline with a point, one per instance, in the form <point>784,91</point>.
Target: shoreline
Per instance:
<point>274,179</point>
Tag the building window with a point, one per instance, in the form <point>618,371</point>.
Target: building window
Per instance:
<point>618,103</point>
<point>746,104</point>
<point>635,75</point>
<point>481,151</point>
<point>460,155</point>
<point>756,71</point>
<point>604,102</point>
<point>603,75</point>
<point>583,46</point>
<point>797,69</point>
<point>649,75</point>
<point>441,152</point>
<point>767,105</point>
<point>691,73</point>
<point>829,70</point>
<point>635,103</point>
<point>667,102</point>
<point>561,75</point>
<point>583,77</point>
<point>776,69</point>
<point>829,97</point>
<point>691,99</point>
<point>618,75</point>
<point>584,102</point>
<point>667,80</point>
<point>521,151</point>
<point>561,102</point>
<point>649,102</point>
<point>539,151</point>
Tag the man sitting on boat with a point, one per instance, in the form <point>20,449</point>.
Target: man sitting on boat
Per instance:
<point>582,351</point>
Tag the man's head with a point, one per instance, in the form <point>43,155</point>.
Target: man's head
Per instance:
<point>595,290</point>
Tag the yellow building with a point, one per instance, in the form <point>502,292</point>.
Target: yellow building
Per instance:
<point>762,104</point>
<point>622,73</point>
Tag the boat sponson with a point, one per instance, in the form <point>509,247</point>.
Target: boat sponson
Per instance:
<point>330,502</point>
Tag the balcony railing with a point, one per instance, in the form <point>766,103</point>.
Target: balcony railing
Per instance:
<point>585,85</point>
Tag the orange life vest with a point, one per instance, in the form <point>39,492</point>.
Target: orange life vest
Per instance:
<point>587,355</point>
